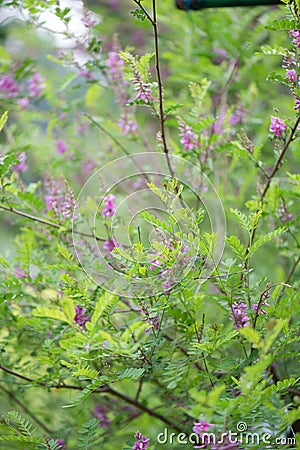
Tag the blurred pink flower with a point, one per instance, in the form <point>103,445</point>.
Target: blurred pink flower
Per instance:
<point>61,147</point>
<point>21,166</point>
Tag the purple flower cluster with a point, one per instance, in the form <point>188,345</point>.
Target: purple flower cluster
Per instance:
<point>297,104</point>
<point>11,89</point>
<point>110,245</point>
<point>143,90</point>
<point>61,147</point>
<point>127,126</point>
<point>239,315</point>
<point>277,127</point>
<point>296,37</point>
<point>9,86</point>
<point>19,273</point>
<point>60,198</point>
<point>188,137</point>
<point>36,85</point>
<point>87,19</point>
<point>225,443</point>
<point>284,214</point>
<point>292,75</point>
<point>200,428</point>
<point>100,413</point>
<point>115,67</point>
<point>141,443</point>
<point>116,77</point>
<point>109,207</point>
<point>81,318</point>
<point>221,55</point>
<point>289,63</point>
<point>21,166</point>
<point>60,443</point>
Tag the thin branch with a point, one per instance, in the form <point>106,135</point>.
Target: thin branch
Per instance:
<point>48,223</point>
<point>39,383</point>
<point>26,410</point>
<point>161,114</point>
<point>262,298</point>
<point>292,271</point>
<point>111,136</point>
<point>104,389</point>
<point>144,408</point>
<point>118,143</point>
<point>288,278</point>
<point>219,276</point>
<point>162,117</point>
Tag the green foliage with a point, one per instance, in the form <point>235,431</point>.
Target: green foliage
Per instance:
<point>88,432</point>
<point>126,302</point>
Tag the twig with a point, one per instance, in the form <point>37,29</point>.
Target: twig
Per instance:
<point>144,408</point>
<point>104,389</point>
<point>288,278</point>
<point>48,223</point>
<point>292,271</point>
<point>219,276</point>
<point>262,297</point>
<point>118,143</point>
<point>161,114</point>
<point>26,410</point>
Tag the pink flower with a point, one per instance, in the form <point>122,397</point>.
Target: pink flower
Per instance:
<point>21,166</point>
<point>114,63</point>
<point>60,443</point>
<point>110,245</point>
<point>127,126</point>
<point>142,443</point>
<point>296,35</point>
<point>292,75</point>
<point>154,265</point>
<point>36,85</point>
<point>85,74</point>
<point>81,318</point>
<point>297,104</point>
<point>109,208</point>
<point>88,167</point>
<point>81,128</point>
<point>19,273</point>
<point>200,427</point>
<point>221,55</point>
<point>236,117</point>
<point>277,127</point>
<point>239,315</point>
<point>100,412</point>
<point>61,147</point>
<point>60,198</point>
<point>88,21</point>
<point>143,91</point>
<point>7,84</point>
<point>188,137</point>
<point>23,103</point>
